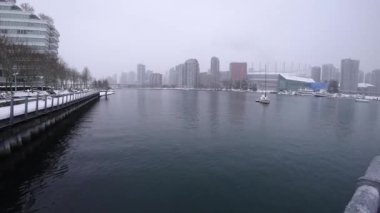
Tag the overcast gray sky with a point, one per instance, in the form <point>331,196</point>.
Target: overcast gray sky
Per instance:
<point>113,36</point>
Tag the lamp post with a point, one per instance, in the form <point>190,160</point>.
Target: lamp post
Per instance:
<point>15,75</point>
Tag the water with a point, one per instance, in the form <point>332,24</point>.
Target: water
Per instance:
<point>196,151</point>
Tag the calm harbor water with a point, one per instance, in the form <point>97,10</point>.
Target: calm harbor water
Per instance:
<point>198,151</point>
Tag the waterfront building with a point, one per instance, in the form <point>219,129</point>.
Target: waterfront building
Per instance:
<point>368,78</point>
<point>131,77</point>
<point>238,71</point>
<point>182,76</point>
<point>147,76</point>
<point>173,77</point>
<point>215,72</point>
<point>294,83</point>
<point>376,80</point>
<point>366,89</point>
<point>123,78</point>
<point>225,76</point>
<point>24,27</point>
<point>155,80</point>
<point>206,80</point>
<point>141,74</point>
<point>361,76</point>
<point>349,76</point>
<point>316,74</point>
<point>192,73</point>
<point>258,79</point>
<point>328,73</point>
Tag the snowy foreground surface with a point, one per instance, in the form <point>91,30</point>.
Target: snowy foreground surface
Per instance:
<point>33,105</point>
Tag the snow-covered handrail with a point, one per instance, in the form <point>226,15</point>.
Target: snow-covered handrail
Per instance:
<point>366,198</point>
<point>40,103</point>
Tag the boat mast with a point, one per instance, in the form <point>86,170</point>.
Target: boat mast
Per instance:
<point>265,92</point>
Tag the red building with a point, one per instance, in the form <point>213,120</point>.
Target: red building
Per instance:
<point>238,71</point>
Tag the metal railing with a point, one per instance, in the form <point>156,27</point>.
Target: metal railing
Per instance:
<point>40,104</point>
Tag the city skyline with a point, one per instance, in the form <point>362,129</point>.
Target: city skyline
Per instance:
<point>312,33</point>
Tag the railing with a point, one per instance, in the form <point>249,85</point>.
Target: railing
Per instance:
<point>367,197</point>
<point>39,104</point>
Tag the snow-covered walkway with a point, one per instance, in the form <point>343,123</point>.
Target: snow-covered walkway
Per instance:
<point>33,105</point>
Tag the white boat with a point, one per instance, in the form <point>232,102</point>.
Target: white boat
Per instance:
<point>321,94</point>
<point>264,99</point>
<point>362,100</point>
<point>305,92</point>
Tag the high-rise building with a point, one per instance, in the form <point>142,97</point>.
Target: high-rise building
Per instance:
<point>361,76</point>
<point>215,72</point>
<point>316,74</point>
<point>22,26</point>
<point>173,77</point>
<point>192,73</point>
<point>155,80</point>
<point>182,76</point>
<point>349,75</point>
<point>368,78</point>
<point>328,72</point>
<point>123,78</point>
<point>141,74</point>
<point>238,71</point>
<point>131,77</point>
<point>376,80</point>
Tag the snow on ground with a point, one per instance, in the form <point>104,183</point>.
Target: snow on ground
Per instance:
<point>19,109</point>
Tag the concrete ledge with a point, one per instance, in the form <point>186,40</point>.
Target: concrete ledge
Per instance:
<point>366,198</point>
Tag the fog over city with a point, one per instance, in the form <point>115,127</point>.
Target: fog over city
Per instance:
<point>113,36</point>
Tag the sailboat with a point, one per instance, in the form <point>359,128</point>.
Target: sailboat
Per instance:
<point>264,99</point>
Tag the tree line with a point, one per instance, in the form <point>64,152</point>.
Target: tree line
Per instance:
<point>28,68</point>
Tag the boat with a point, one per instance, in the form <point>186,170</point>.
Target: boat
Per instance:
<point>321,94</point>
<point>264,99</point>
<point>305,92</point>
<point>362,100</point>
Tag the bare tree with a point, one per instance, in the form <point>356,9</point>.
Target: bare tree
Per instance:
<point>86,76</point>
<point>27,7</point>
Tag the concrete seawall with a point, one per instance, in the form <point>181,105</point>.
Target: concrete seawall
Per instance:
<point>17,132</point>
<point>366,198</point>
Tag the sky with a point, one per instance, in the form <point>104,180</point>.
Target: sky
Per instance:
<point>114,36</point>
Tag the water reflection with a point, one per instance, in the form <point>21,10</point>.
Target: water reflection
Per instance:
<point>40,160</point>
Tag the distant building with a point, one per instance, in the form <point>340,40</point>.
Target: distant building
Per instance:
<point>349,76</point>
<point>316,74</point>
<point>293,83</point>
<point>173,77</point>
<point>376,80</point>
<point>225,76</point>
<point>140,74</point>
<point>368,78</point>
<point>215,72</point>
<point>192,73</point>
<point>328,73</point>
<point>123,78</point>
<point>155,80</point>
<point>361,76</point>
<point>238,71</point>
<point>258,79</point>
<point>206,80</point>
<point>366,89</point>
<point>182,76</point>
<point>131,77</point>
<point>147,76</point>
